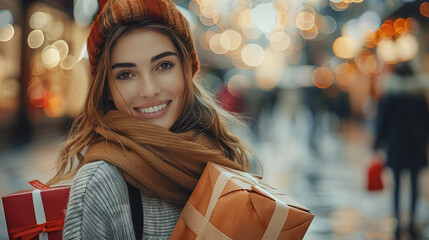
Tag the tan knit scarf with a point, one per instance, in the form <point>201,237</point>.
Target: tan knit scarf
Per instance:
<point>154,159</point>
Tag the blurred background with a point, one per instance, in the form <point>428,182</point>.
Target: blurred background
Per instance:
<point>306,75</point>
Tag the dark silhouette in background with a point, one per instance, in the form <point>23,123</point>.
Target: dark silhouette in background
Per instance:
<point>402,130</point>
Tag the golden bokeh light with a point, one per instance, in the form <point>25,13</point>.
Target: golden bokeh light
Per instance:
<point>270,71</point>
<point>237,83</point>
<point>366,61</point>
<point>424,9</point>
<point>310,33</point>
<point>209,21</point>
<point>230,39</point>
<point>279,41</point>
<point>50,56</point>
<point>386,51</point>
<point>407,47</point>
<point>209,9</point>
<point>322,77</point>
<point>216,46</point>
<point>39,20</point>
<point>6,33</point>
<point>68,62</point>
<point>282,18</point>
<point>345,47</point>
<point>304,21</point>
<point>63,48</point>
<point>339,6</point>
<point>252,55</point>
<point>245,19</point>
<point>35,39</point>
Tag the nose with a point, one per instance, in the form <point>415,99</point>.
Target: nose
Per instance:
<point>149,87</point>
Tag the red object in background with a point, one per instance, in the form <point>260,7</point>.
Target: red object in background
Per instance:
<point>228,101</point>
<point>20,214</point>
<point>374,174</point>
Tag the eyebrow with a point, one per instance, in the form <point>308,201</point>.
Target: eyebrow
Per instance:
<point>162,55</point>
<point>153,59</point>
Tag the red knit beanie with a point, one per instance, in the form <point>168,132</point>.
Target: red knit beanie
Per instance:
<point>114,12</point>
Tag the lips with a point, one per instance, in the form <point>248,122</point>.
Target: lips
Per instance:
<point>153,110</point>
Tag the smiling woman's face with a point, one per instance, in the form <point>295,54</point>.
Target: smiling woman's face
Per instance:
<point>146,77</point>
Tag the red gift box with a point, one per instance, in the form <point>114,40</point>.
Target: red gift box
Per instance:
<point>36,214</point>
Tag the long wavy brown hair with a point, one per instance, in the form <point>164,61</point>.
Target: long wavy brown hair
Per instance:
<point>199,111</point>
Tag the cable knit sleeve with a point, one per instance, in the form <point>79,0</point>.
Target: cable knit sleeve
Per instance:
<point>98,205</point>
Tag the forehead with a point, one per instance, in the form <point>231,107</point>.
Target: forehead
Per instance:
<point>140,44</point>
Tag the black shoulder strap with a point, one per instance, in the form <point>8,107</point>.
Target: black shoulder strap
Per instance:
<point>136,211</point>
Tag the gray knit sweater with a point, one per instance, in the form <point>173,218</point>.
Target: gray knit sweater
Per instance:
<point>99,207</point>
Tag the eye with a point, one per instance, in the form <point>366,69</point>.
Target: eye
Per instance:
<point>164,66</point>
<point>124,75</point>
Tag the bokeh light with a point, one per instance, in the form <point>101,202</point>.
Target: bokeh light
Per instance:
<point>35,39</point>
<point>252,55</point>
<point>50,56</point>
<point>424,9</point>
<point>269,72</point>
<point>68,63</point>
<point>279,41</point>
<point>39,20</point>
<point>304,20</point>
<point>407,47</point>
<point>230,39</point>
<point>399,26</point>
<point>237,83</point>
<point>6,33</point>
<point>63,48</point>
<point>386,51</point>
<point>322,77</point>
<point>345,47</point>
<point>245,19</point>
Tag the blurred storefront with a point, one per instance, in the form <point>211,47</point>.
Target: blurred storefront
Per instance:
<point>43,73</point>
<point>341,47</point>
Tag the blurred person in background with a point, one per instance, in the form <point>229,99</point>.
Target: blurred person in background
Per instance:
<point>402,130</point>
<point>147,125</point>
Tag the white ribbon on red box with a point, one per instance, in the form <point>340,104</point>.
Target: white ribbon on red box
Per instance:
<point>39,210</point>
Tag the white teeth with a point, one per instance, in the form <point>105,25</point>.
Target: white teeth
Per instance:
<point>153,109</point>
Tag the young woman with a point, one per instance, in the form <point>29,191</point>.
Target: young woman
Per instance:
<point>147,123</point>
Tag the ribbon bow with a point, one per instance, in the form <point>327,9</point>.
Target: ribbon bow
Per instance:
<point>29,232</point>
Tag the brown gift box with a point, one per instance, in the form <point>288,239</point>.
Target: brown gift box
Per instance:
<point>230,204</point>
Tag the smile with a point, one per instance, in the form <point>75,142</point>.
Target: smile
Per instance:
<point>153,109</point>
